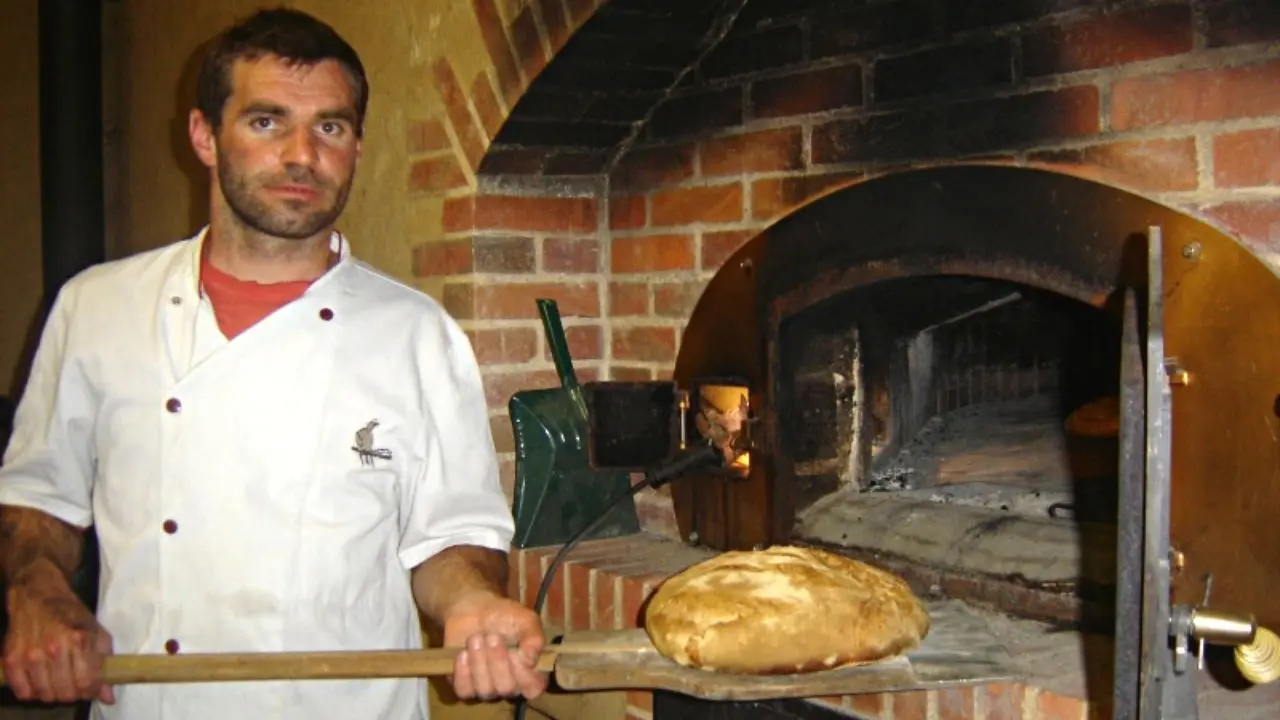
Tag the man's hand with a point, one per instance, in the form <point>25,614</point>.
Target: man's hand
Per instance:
<point>502,641</point>
<point>54,649</point>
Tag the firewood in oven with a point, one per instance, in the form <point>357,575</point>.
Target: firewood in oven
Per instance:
<point>783,610</point>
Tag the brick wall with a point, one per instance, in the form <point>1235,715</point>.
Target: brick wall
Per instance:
<point>1174,100</point>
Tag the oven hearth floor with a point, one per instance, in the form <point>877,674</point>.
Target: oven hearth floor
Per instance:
<point>1013,456</point>
<point>1040,551</point>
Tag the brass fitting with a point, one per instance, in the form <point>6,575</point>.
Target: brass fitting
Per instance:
<point>1259,660</point>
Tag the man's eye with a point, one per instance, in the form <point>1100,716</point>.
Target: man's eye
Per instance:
<point>331,128</point>
<point>262,123</point>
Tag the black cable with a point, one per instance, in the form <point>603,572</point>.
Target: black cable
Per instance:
<point>652,478</point>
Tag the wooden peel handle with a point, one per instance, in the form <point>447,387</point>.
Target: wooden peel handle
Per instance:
<point>347,665</point>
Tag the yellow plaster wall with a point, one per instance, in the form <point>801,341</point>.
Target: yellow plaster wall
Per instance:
<point>20,281</point>
<point>164,187</point>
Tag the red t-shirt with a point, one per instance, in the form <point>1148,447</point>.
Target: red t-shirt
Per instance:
<point>239,304</point>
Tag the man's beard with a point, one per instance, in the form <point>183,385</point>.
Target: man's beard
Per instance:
<point>292,223</point>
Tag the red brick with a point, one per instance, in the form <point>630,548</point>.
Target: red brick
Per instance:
<point>676,299</point>
<point>1155,165</point>
<point>570,255</point>
<point>503,434</point>
<point>445,257</point>
<point>1051,706</point>
<point>556,605</point>
<point>698,113</point>
<point>1108,40</point>
<point>764,151</point>
<point>555,22</point>
<point>427,136</point>
<point>602,615</point>
<point>651,253</point>
<point>719,246</point>
<point>956,703</point>
<point>518,300</point>
<point>455,105</point>
<point>514,161</point>
<point>628,299</point>
<point>808,92</point>
<point>912,705</point>
<point>503,346</point>
<point>651,167</point>
<point>586,342</point>
<point>505,254</point>
<point>527,43</point>
<point>630,374</point>
<point>486,104</point>
<point>874,25</point>
<point>627,212</point>
<point>970,127</point>
<point>1255,222</point>
<point>633,598</point>
<point>749,52</point>
<point>500,52</point>
<point>990,13</point>
<point>774,197</point>
<point>1242,22</point>
<point>943,70</point>
<point>514,212</point>
<point>533,572</point>
<point>1247,158</point>
<point>441,172</point>
<point>868,705</point>
<point>703,204</point>
<point>579,577</point>
<point>645,344</point>
<point>499,387</point>
<point>1003,702</point>
<point>640,700</point>
<point>1195,96</point>
<point>459,300</point>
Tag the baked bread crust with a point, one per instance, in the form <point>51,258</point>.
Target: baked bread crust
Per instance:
<point>783,610</point>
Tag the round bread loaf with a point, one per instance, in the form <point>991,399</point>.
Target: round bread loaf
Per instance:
<point>783,610</point>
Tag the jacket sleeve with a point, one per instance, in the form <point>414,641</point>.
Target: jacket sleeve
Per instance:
<point>49,462</point>
<point>456,497</point>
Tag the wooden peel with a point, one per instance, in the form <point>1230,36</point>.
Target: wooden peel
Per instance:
<point>340,665</point>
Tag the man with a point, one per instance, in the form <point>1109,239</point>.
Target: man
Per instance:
<point>280,448</point>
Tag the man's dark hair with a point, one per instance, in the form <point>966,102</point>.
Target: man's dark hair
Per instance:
<point>290,35</point>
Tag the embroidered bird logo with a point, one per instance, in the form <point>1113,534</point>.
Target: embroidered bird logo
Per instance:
<point>364,445</point>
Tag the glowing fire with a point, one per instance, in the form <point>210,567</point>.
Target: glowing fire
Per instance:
<point>724,418</point>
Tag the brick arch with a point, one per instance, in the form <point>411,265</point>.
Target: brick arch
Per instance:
<point>517,50</point>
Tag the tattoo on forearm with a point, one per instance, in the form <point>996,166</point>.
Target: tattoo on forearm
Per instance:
<point>30,538</point>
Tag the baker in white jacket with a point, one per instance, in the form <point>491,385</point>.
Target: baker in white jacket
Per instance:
<point>280,448</point>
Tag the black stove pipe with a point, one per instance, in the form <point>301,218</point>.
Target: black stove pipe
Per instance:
<point>72,203</point>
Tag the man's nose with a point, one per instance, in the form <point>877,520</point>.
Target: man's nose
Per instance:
<point>300,148</point>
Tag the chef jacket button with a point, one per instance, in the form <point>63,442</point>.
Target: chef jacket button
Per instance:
<point>171,647</point>
<point>326,314</point>
<point>173,405</point>
<point>176,300</point>
<point>170,527</point>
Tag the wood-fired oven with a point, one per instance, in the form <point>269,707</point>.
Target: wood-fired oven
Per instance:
<point>933,360</point>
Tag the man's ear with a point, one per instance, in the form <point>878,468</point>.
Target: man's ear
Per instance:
<point>202,138</point>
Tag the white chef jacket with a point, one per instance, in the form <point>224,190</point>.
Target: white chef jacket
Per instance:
<point>236,509</point>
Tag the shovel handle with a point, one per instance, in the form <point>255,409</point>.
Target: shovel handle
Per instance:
<point>342,665</point>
